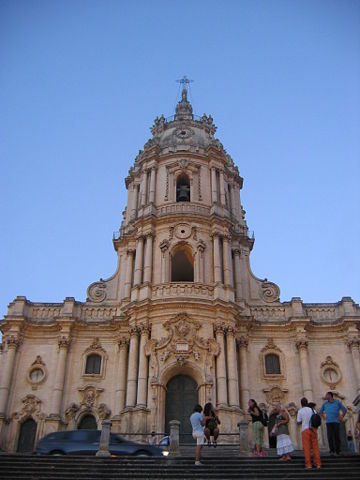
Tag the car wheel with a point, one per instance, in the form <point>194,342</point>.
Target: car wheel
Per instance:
<point>57,453</point>
<point>142,453</point>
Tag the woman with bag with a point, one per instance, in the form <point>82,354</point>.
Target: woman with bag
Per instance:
<point>211,425</point>
<point>257,427</point>
<point>284,445</point>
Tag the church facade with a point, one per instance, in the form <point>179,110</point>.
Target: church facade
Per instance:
<point>183,320</point>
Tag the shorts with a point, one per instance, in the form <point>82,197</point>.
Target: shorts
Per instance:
<point>199,437</point>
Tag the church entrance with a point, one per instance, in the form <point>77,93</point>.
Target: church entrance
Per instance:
<point>181,397</point>
<point>88,422</point>
<point>27,436</point>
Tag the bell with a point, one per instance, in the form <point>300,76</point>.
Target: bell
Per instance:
<point>183,193</point>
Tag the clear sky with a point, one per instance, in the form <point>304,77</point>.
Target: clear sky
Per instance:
<point>81,83</point>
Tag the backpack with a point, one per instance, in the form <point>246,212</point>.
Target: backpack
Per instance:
<point>315,420</point>
<point>264,418</point>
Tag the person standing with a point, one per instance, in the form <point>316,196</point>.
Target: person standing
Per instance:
<point>284,444</point>
<point>332,409</point>
<point>357,433</point>
<point>197,422</point>
<point>308,434</point>
<point>257,427</point>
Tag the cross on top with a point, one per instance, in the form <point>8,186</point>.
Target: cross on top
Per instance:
<point>184,81</point>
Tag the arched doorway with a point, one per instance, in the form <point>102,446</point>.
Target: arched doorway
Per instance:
<point>27,436</point>
<point>181,397</point>
<point>87,422</point>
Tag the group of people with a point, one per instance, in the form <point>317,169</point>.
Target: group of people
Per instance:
<point>332,411</point>
<point>204,426</point>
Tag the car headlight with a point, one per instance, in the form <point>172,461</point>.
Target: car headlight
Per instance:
<point>165,453</point>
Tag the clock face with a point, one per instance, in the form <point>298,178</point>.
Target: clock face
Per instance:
<point>183,133</point>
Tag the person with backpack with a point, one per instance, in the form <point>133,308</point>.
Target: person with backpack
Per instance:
<point>306,419</point>
<point>332,409</point>
<point>257,427</point>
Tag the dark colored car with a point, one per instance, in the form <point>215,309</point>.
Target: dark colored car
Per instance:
<point>86,442</point>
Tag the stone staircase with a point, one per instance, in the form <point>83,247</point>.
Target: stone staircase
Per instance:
<point>220,464</point>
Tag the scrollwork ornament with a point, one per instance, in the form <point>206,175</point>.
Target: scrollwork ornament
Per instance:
<point>269,292</point>
<point>97,292</point>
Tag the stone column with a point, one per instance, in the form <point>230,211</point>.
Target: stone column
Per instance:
<point>129,273</point>
<point>148,259</point>
<point>243,368</point>
<point>58,388</point>
<point>244,437</point>
<point>121,390</point>
<point>228,272</point>
<point>232,371</point>
<point>200,261</point>
<point>7,371</point>
<point>152,185</point>
<point>139,261</point>
<point>104,439</point>
<point>234,209</point>
<point>143,368</point>
<point>302,346</point>
<point>221,368</point>
<point>132,368</point>
<point>134,201</point>
<point>353,344</point>
<point>174,450</point>
<point>214,192</point>
<point>164,247</point>
<point>222,190</point>
<point>143,189</point>
<point>238,288</point>
<point>217,262</point>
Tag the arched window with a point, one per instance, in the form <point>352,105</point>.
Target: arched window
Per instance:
<point>183,188</point>
<point>182,266</point>
<point>87,422</point>
<point>272,364</point>
<point>93,364</point>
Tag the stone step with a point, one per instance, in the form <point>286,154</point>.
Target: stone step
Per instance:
<point>32,467</point>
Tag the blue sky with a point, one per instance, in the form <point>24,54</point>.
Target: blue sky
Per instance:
<point>82,81</point>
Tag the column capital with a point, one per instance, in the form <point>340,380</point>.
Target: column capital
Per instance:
<point>243,341</point>
<point>123,342</point>
<point>219,327</point>
<point>302,344</point>
<point>353,343</point>
<point>144,329</point>
<point>64,342</point>
<point>201,245</point>
<point>236,252</point>
<point>13,341</point>
<point>134,331</point>
<point>230,330</point>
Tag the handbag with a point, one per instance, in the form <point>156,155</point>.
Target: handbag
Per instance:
<point>274,431</point>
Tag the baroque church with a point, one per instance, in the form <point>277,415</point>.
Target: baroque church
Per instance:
<point>183,320</point>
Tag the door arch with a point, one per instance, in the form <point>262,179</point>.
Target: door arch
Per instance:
<point>87,422</point>
<point>27,436</point>
<point>181,397</point>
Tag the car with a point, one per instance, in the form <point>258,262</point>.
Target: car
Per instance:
<point>164,444</point>
<point>86,442</point>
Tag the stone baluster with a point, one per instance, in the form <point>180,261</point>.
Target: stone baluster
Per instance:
<point>164,247</point>
<point>132,375</point>
<point>353,344</point>
<point>217,259</point>
<point>232,370</point>
<point>243,369</point>
<point>221,379</point>
<point>302,346</point>
<point>121,390</point>
<point>200,261</point>
<point>139,261</point>
<point>7,370</point>
<point>148,259</point>
<point>152,185</point>
<point>104,439</point>
<point>228,271</point>
<point>58,388</point>
<point>214,192</point>
<point>143,368</point>
<point>129,272</point>
<point>237,272</point>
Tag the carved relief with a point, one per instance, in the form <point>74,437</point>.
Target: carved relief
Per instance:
<point>96,292</point>
<point>182,231</point>
<point>36,374</point>
<point>275,394</point>
<point>269,292</point>
<point>330,372</point>
<point>89,395</point>
<point>31,408</point>
<point>181,344</point>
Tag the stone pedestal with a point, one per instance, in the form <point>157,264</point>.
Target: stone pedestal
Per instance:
<point>174,448</point>
<point>244,437</point>
<point>104,439</point>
